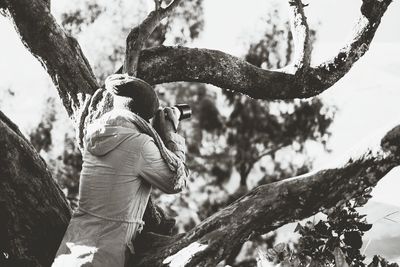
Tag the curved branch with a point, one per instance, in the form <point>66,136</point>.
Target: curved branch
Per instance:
<point>171,64</point>
<point>270,206</point>
<point>72,74</point>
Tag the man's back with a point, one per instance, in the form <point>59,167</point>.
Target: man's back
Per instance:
<point>119,166</point>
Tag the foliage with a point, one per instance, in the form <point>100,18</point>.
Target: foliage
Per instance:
<point>41,136</point>
<point>75,20</point>
<point>324,242</point>
<point>67,173</point>
<point>378,261</point>
<point>112,22</point>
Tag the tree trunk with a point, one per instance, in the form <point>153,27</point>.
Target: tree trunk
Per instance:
<point>33,210</point>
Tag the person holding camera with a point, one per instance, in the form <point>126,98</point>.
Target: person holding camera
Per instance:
<point>123,157</point>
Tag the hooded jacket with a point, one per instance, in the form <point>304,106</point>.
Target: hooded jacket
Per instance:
<point>120,165</point>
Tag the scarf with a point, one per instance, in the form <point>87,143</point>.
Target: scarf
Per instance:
<point>174,163</point>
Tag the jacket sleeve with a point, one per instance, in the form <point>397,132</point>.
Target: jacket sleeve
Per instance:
<point>154,169</point>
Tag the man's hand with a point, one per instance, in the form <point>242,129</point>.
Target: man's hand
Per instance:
<point>166,121</point>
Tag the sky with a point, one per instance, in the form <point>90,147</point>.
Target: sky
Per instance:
<point>367,97</point>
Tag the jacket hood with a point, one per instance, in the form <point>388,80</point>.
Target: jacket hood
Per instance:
<point>108,132</point>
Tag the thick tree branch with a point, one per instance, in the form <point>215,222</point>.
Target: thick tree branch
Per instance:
<point>171,64</point>
<point>138,36</point>
<point>64,61</point>
<point>59,53</point>
<point>72,74</point>
<point>270,206</point>
<point>301,36</point>
<point>33,210</point>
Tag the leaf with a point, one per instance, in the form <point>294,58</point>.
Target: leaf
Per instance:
<point>361,201</point>
<point>353,239</point>
<point>364,226</point>
<point>322,228</point>
<point>340,259</point>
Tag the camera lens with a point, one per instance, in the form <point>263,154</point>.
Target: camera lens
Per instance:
<point>186,111</point>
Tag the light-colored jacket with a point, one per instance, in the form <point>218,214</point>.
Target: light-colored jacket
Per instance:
<point>120,165</point>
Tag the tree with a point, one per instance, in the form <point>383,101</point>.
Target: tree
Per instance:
<point>28,188</point>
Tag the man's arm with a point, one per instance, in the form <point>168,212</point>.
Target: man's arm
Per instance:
<point>176,143</point>
<point>155,170</point>
<point>166,123</point>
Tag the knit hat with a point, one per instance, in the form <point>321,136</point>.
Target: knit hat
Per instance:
<point>145,100</point>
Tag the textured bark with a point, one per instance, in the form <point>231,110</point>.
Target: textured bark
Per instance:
<point>162,64</point>
<point>33,210</point>
<point>301,35</point>
<point>59,53</point>
<point>170,64</point>
<point>270,206</point>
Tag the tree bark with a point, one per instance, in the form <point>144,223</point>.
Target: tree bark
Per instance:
<point>162,64</point>
<point>33,211</point>
<point>270,206</point>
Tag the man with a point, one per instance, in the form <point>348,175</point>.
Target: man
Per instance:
<point>123,158</point>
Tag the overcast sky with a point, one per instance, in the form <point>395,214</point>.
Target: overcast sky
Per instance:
<point>367,97</point>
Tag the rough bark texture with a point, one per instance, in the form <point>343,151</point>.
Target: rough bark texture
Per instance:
<point>59,53</point>
<point>162,64</point>
<point>33,210</point>
<point>170,64</point>
<point>301,36</point>
<point>259,211</point>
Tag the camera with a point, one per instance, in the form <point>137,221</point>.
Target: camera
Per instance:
<point>186,111</point>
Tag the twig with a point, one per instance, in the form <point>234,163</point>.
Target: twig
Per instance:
<point>301,35</point>
<point>138,35</point>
